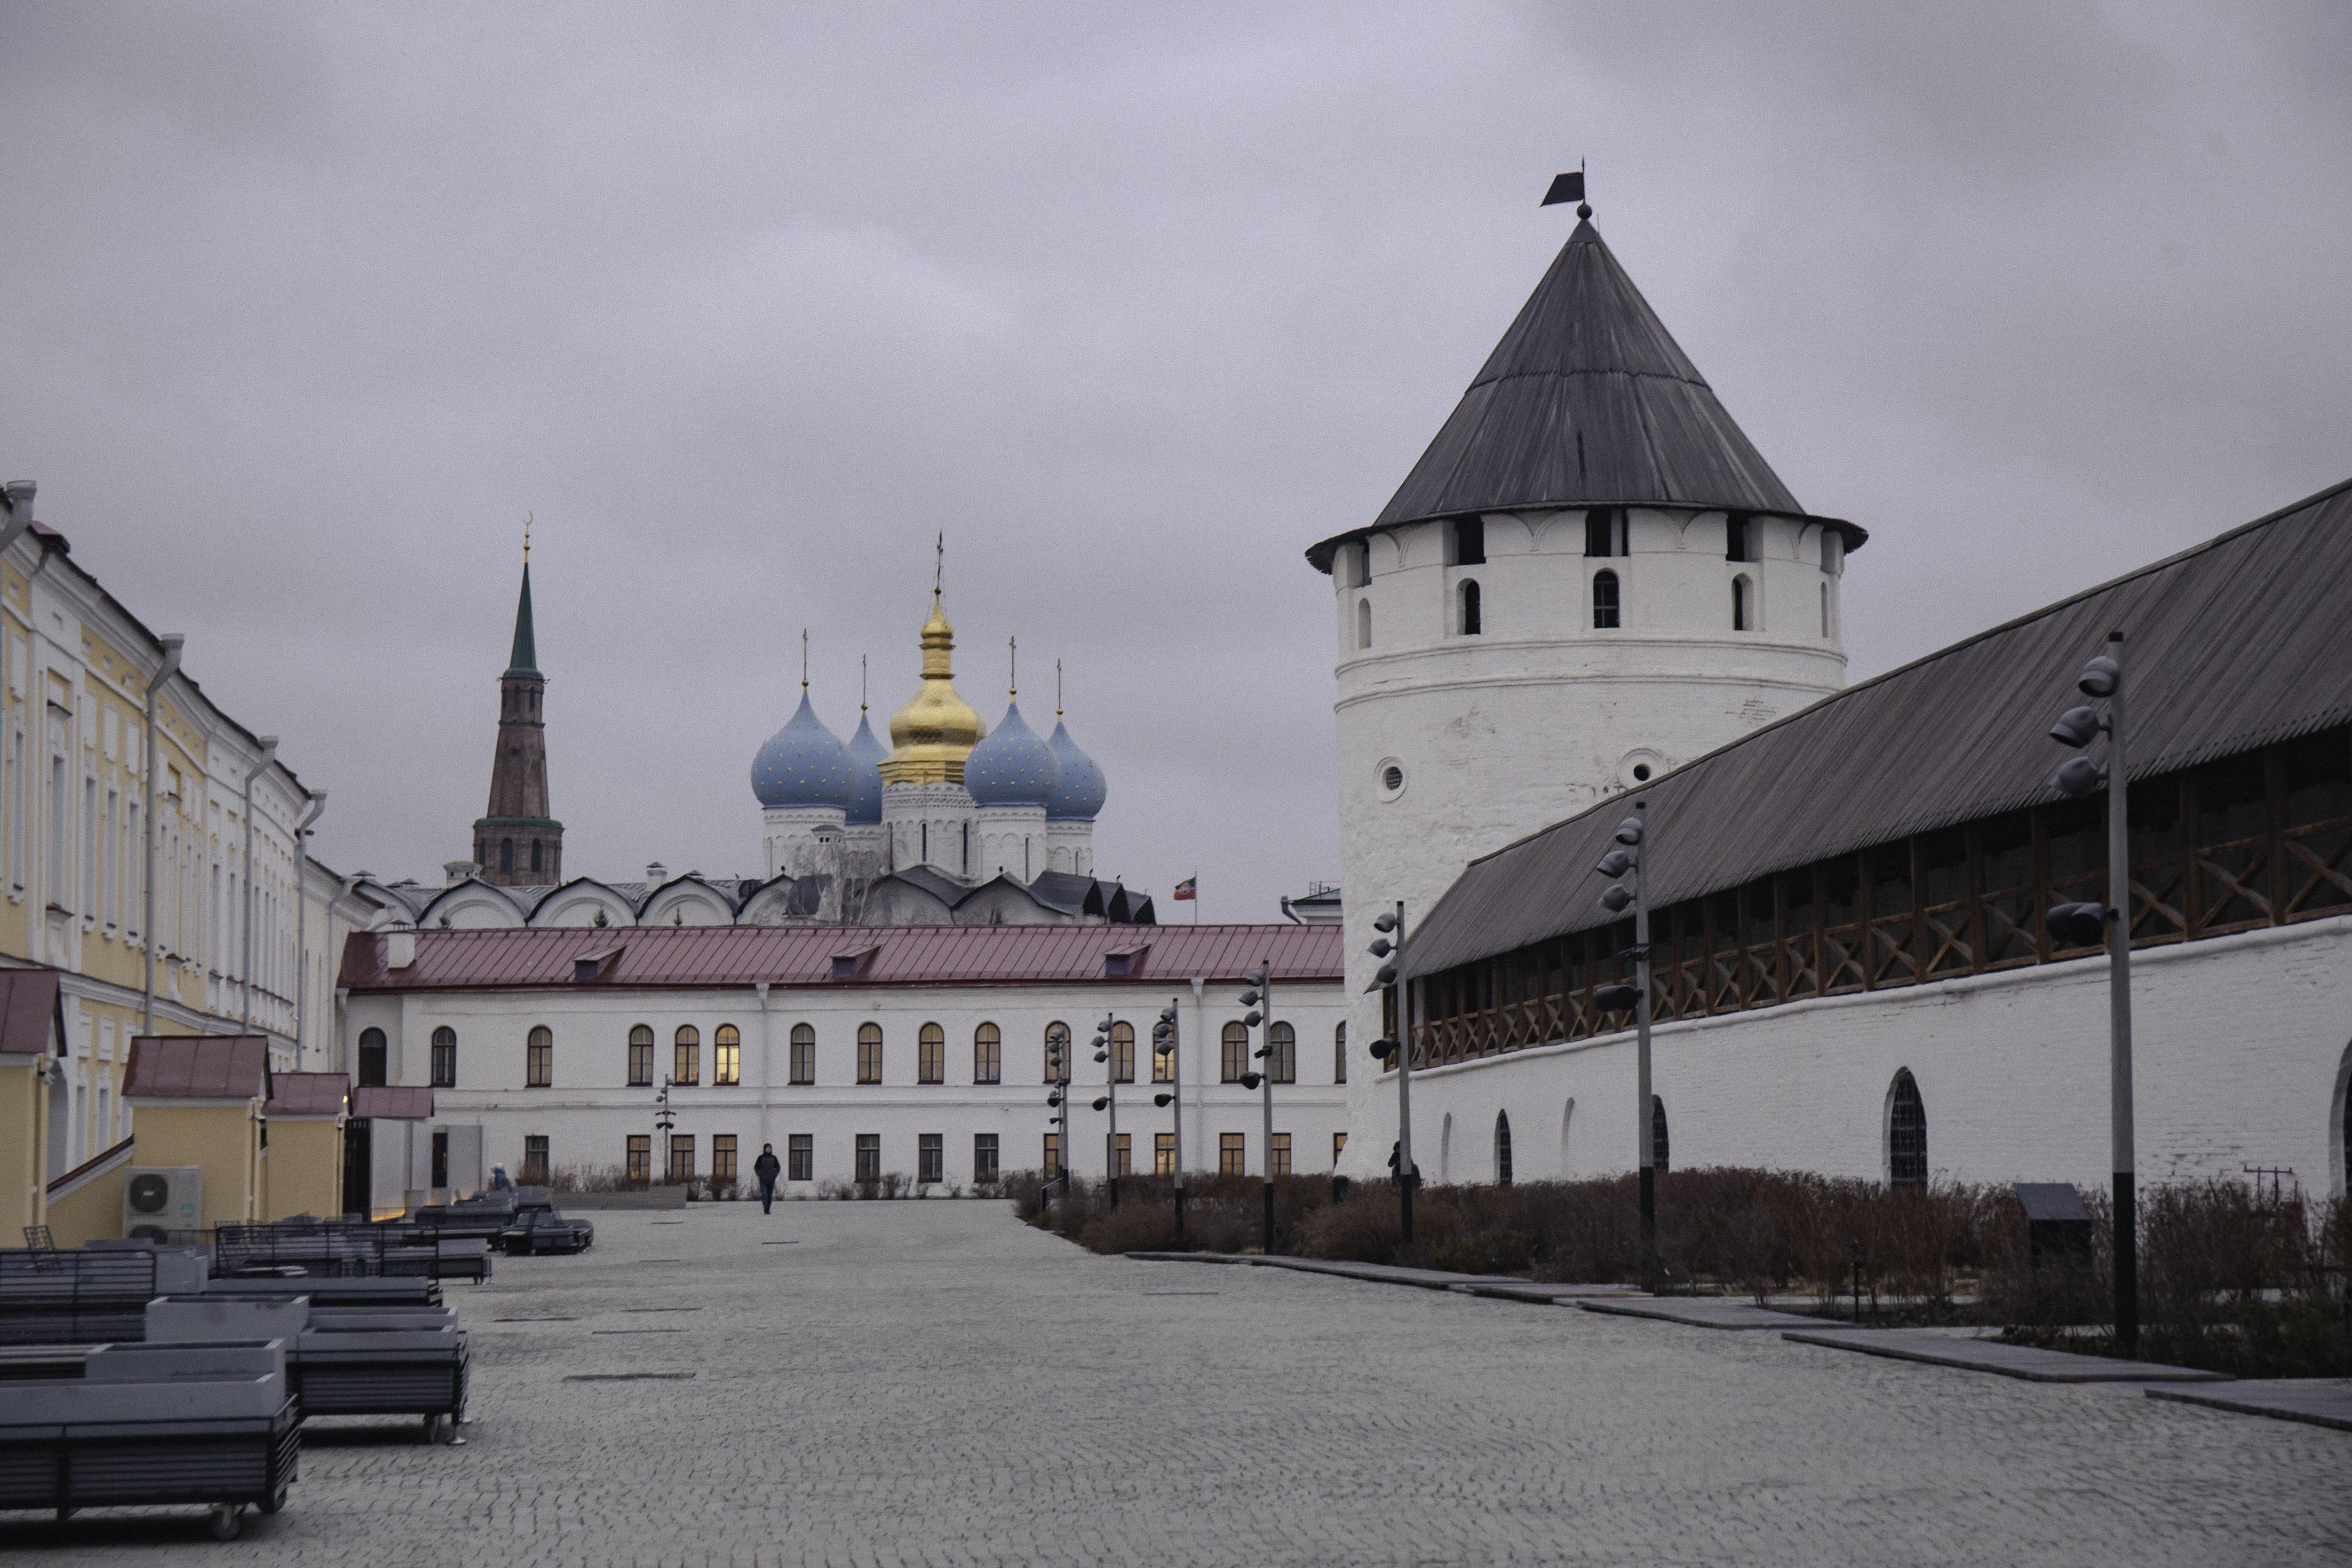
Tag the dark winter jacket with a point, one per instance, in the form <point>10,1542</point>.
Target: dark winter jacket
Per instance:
<point>767,1166</point>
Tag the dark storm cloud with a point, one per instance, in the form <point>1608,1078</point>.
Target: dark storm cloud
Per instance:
<point>306,306</point>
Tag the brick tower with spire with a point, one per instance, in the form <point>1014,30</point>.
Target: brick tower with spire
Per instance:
<point>518,844</point>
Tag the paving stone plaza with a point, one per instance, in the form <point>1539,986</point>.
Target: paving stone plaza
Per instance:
<point>935,1384</point>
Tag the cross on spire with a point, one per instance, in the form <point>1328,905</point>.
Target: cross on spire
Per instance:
<point>1013,666</point>
<point>939,564</point>
<point>804,658</point>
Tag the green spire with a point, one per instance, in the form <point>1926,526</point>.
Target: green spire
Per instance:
<point>526,650</point>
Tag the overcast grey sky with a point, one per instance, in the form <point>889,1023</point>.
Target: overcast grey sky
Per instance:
<point>306,305</point>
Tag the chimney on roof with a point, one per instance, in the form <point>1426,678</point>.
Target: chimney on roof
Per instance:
<point>399,949</point>
<point>454,872</point>
<point>657,873</point>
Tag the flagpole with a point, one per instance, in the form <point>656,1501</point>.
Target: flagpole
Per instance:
<point>1196,896</point>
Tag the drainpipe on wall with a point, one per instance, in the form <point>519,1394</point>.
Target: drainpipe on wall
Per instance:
<point>302,919</point>
<point>245,962</point>
<point>766,1076</point>
<point>1200,1073</point>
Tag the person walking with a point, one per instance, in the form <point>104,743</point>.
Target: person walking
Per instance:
<point>499,1180</point>
<point>767,1167</point>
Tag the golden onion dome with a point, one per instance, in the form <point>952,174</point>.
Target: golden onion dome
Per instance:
<point>936,730</point>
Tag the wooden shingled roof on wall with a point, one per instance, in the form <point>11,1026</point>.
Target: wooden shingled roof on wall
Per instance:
<point>2241,642</point>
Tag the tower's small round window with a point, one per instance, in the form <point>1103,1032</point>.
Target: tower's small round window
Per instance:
<point>1641,773</point>
<point>1638,766</point>
<point>1392,777</point>
<point>1388,774</point>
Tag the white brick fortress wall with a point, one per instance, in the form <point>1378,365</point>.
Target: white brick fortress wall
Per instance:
<point>590,1109</point>
<point>2240,1055</point>
<point>1502,733</point>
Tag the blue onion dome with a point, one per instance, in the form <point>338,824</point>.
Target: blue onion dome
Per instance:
<point>866,755</point>
<point>803,765</point>
<point>1080,789</point>
<point>1011,767</point>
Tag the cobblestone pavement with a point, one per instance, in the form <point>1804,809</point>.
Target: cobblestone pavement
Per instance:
<point>935,1384</point>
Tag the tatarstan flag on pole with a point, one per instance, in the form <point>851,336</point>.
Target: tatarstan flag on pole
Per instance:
<point>1189,891</point>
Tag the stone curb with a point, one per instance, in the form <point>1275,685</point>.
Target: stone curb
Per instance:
<point>2318,1402</point>
<point>1493,1286</point>
<point>1698,1312</point>
<point>2030,1362</point>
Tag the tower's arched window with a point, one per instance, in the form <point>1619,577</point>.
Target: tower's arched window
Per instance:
<point>374,1057</point>
<point>1657,1134</point>
<point>1469,541</point>
<point>1604,600</point>
<point>641,1056</point>
<point>444,1058</point>
<point>506,854</point>
<point>538,850</point>
<point>1470,615</point>
<point>1741,617</point>
<point>1906,1133</point>
<point>1502,1148</point>
<point>1363,623</point>
<point>539,1058</point>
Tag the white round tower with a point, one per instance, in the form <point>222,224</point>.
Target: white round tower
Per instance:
<point>1590,577</point>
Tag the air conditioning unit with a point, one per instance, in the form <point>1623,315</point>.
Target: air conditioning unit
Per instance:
<point>160,1199</point>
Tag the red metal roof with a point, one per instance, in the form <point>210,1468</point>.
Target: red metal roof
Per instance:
<point>197,1067</point>
<point>803,954</point>
<point>394,1102</point>
<point>28,1011</point>
<point>307,1094</point>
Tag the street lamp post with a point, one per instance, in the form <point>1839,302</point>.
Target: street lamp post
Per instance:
<point>303,917</point>
<point>1164,1044</point>
<point>171,642</point>
<point>1389,945</point>
<point>1630,854</point>
<point>245,965</point>
<point>1109,1101</point>
<point>1057,1101</point>
<point>1261,992</point>
<point>2082,924</point>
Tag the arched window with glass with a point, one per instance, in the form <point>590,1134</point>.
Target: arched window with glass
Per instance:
<point>987,1054</point>
<point>1906,1133</point>
<point>686,1055</point>
<point>930,1055</point>
<point>726,1055</point>
<point>1502,1148</point>
<point>539,1058</point>
<point>1658,1134</point>
<point>1282,1053</point>
<point>1123,1053</point>
<point>869,1053</point>
<point>1339,1052</point>
<point>1057,1051</point>
<point>375,1058</point>
<point>803,1064</point>
<point>1606,615</point>
<point>641,1056</point>
<point>1233,1055</point>
<point>1163,1065</point>
<point>444,1058</point>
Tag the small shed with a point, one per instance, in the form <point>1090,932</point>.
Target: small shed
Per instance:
<point>196,1100</point>
<point>32,1096</point>
<point>305,1113</point>
<point>2057,1226</point>
<point>387,1149</point>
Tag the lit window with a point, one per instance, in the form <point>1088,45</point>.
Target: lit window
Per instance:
<point>987,1055</point>
<point>1281,1146</point>
<point>722,1156</point>
<point>1606,615</point>
<point>727,1055</point>
<point>1123,1053</point>
<point>1122,1154</point>
<point>444,1058</point>
<point>1230,1153</point>
<point>930,1157</point>
<point>1057,1052</point>
<point>930,1055</point>
<point>1338,1145</point>
<point>686,1055</point>
<point>1163,1153</point>
<point>681,1156</point>
<point>1163,1066</point>
<point>803,1053</point>
<point>539,1058</point>
<point>641,1056</point>
<point>869,1053</point>
<point>800,1157</point>
<point>1234,1054</point>
<point>640,1167</point>
<point>869,1156</point>
<point>984,1156</point>
<point>1053,1155</point>
<point>1282,1053</point>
